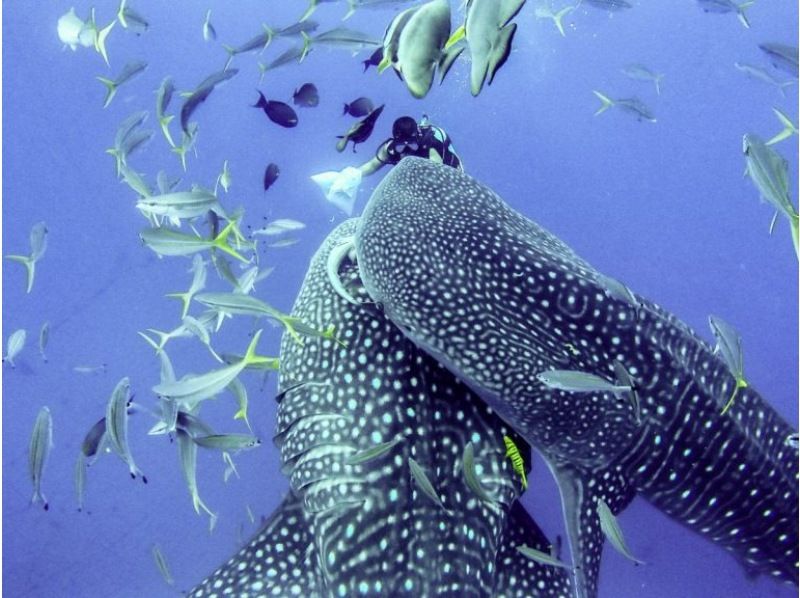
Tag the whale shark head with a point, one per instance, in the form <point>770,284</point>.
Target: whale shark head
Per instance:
<point>499,300</point>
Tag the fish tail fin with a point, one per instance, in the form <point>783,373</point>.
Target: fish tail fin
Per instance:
<point>447,60</point>
<point>270,35</point>
<point>306,46</point>
<point>121,13</point>
<point>119,158</point>
<point>773,222</point>
<point>111,90</point>
<point>384,64</point>
<point>180,150</point>
<point>30,268</point>
<point>557,17</point>
<point>789,127</point>
<point>163,337</point>
<point>740,14</point>
<point>657,81</point>
<point>164,123</point>
<point>456,37</point>
<point>346,108</point>
<point>39,497</point>
<point>221,242</point>
<point>185,299</point>
<point>351,8</point>
<point>231,53</point>
<point>607,102</point>
<point>100,41</point>
<point>250,356</point>
<point>342,143</point>
<point>740,383</point>
<point>312,6</point>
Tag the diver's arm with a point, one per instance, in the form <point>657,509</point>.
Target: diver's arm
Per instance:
<point>380,159</point>
<point>371,167</point>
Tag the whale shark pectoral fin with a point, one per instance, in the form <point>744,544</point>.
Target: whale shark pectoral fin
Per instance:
<point>580,490</point>
<point>284,542</point>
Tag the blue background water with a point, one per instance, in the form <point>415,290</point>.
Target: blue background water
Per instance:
<point>660,206</point>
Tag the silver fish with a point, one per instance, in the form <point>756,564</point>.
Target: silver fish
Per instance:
<point>760,74</point>
<point>161,564</point>
<point>80,479</point>
<point>227,442</point>
<point>14,346</point>
<point>726,6</point>
<point>44,338</point>
<point>117,426</point>
<point>38,452</point>
<point>38,239</point>
<point>782,56</point>
<point>630,105</point>
<point>575,381</point>
<point>612,531</point>
<point>128,72</point>
<point>639,72</point>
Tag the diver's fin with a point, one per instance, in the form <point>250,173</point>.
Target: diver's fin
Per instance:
<point>446,61</point>
<point>580,491</point>
<point>501,50</point>
<point>607,102</point>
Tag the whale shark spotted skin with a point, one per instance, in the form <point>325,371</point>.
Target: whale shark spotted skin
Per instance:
<point>497,300</point>
<point>276,562</point>
<point>368,528</point>
<point>374,528</point>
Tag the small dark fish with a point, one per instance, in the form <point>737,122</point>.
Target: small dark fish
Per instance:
<point>360,131</point>
<point>359,107</point>
<point>201,94</point>
<point>271,175</point>
<point>278,112</point>
<point>374,60</point>
<point>306,96</point>
<point>94,439</point>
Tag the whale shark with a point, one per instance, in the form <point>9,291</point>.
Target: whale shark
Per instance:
<point>354,413</point>
<point>498,300</point>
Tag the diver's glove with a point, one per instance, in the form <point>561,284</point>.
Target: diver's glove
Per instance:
<point>340,188</point>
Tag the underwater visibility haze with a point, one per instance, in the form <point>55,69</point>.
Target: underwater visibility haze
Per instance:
<point>237,312</point>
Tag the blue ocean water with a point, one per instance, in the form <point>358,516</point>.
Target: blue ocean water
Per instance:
<point>662,206</point>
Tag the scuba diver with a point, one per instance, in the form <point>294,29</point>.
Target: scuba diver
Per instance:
<point>423,140</point>
<point>409,138</point>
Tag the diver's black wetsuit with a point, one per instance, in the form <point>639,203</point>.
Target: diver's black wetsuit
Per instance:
<point>428,139</point>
